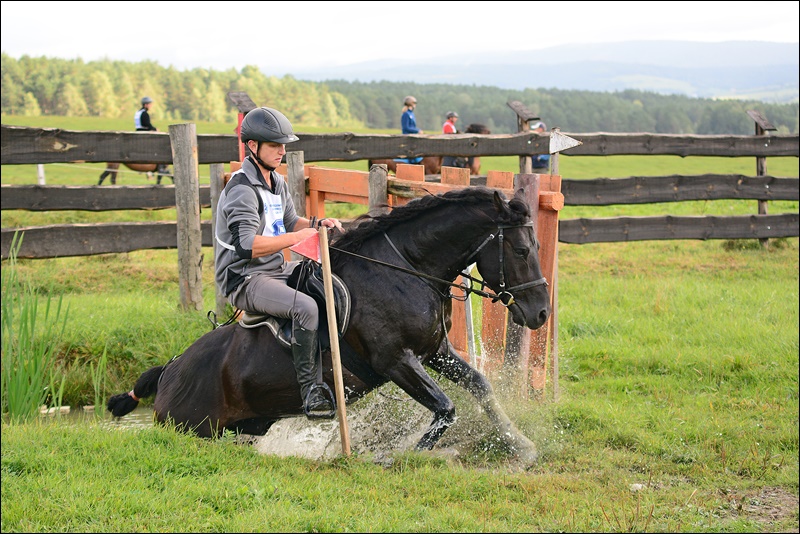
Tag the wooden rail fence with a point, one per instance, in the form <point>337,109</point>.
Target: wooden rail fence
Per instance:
<point>36,146</point>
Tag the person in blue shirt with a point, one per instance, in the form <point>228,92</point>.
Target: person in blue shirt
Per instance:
<point>408,122</point>
<point>408,125</point>
<point>540,163</point>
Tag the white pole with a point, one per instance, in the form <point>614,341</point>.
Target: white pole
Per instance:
<point>473,358</point>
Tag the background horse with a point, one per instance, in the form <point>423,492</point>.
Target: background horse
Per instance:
<point>161,169</point>
<point>433,164</point>
<point>398,268</point>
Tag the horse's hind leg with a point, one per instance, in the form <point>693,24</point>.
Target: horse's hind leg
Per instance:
<point>454,368</point>
<point>412,378</point>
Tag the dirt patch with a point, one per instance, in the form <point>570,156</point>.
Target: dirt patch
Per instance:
<point>774,507</point>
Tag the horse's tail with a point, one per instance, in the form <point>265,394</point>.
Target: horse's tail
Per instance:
<point>146,386</point>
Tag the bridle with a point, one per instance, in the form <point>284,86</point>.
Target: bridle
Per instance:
<point>503,291</point>
<point>507,293</point>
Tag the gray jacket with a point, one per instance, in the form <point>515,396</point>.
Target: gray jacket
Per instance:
<point>244,207</point>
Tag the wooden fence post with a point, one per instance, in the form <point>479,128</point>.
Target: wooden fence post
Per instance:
<point>296,180</point>
<point>762,127</point>
<point>183,139</point>
<point>216,184</point>
<point>378,189</point>
<point>524,117</point>
<point>244,104</point>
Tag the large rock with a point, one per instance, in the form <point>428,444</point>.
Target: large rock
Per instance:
<point>384,422</point>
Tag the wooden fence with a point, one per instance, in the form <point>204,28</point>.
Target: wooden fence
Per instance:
<point>36,146</point>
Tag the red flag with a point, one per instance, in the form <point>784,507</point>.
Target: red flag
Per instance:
<point>309,248</point>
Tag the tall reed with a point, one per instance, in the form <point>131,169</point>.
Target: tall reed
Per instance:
<point>29,338</point>
<point>99,382</point>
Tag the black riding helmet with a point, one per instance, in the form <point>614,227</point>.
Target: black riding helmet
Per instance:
<point>267,125</point>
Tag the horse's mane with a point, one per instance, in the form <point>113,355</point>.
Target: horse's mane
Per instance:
<point>365,226</point>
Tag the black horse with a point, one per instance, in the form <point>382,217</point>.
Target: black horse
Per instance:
<point>399,268</point>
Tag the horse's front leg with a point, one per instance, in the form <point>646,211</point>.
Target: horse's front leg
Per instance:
<point>454,368</point>
<point>412,378</point>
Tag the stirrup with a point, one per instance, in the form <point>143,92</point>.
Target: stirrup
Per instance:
<point>320,415</point>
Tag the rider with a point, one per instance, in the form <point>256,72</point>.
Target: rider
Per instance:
<point>408,125</point>
<point>141,118</point>
<point>141,121</point>
<point>449,127</point>
<point>256,220</point>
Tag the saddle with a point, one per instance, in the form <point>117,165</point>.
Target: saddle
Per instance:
<point>307,278</point>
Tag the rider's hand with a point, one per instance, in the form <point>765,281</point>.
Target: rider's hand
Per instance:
<point>331,223</point>
<point>304,234</point>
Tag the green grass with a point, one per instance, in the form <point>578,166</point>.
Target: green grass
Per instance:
<point>678,409</point>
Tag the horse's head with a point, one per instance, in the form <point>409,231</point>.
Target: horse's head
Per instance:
<point>509,263</point>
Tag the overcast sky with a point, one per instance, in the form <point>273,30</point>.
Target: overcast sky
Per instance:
<point>278,37</point>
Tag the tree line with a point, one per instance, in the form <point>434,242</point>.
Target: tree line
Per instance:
<point>71,87</point>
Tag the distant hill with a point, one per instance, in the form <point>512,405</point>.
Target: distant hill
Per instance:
<point>752,70</point>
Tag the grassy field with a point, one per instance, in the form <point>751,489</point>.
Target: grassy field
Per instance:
<point>678,408</point>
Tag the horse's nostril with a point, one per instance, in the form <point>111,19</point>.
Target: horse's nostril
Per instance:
<point>543,315</point>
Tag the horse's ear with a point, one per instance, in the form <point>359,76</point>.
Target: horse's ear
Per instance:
<point>499,202</point>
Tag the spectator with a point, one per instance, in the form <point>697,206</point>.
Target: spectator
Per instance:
<point>141,119</point>
<point>540,163</point>
<point>449,127</point>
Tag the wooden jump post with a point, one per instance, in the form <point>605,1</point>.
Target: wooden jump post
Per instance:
<point>244,104</point>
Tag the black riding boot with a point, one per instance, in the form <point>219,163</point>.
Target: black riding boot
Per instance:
<point>306,364</point>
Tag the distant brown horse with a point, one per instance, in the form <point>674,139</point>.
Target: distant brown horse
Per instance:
<point>433,164</point>
<point>161,170</point>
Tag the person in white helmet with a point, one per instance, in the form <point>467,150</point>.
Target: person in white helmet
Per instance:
<point>256,220</point>
<point>408,122</point>
<point>408,125</point>
<point>141,119</point>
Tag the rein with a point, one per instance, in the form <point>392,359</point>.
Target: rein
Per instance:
<point>464,287</point>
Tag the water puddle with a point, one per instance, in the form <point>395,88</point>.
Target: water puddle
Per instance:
<point>141,417</point>
<point>385,422</point>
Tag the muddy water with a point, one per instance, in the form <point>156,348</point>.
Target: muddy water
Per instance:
<point>381,423</point>
<point>141,417</point>
<point>385,422</point>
